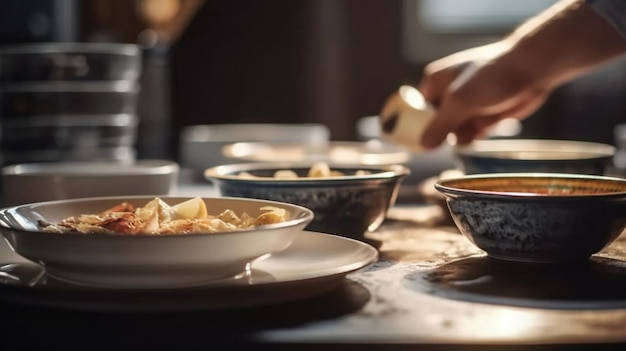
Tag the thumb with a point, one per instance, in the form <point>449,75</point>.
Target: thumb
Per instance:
<point>434,85</point>
<point>446,120</point>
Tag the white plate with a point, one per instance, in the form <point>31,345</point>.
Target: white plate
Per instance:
<point>315,263</point>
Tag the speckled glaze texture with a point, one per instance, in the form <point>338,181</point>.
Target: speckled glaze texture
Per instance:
<point>537,218</point>
<point>345,206</point>
<point>349,210</point>
<point>536,231</point>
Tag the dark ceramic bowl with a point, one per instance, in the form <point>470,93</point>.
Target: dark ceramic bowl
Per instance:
<point>541,217</point>
<point>533,155</point>
<point>347,205</point>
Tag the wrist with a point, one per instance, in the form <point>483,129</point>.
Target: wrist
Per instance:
<point>532,65</point>
<point>563,43</point>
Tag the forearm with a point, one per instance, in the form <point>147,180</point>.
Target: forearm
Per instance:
<point>565,41</point>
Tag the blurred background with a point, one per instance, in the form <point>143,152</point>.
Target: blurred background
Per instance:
<point>283,61</point>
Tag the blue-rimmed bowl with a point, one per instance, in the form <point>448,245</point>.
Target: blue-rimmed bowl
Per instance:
<point>534,155</point>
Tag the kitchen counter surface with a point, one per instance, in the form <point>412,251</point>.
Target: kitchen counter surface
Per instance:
<point>431,287</point>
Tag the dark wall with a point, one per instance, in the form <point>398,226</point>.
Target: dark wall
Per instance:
<point>237,62</point>
<point>288,61</point>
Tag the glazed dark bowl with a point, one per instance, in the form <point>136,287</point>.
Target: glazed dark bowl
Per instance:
<point>348,206</point>
<point>540,217</point>
<point>534,155</point>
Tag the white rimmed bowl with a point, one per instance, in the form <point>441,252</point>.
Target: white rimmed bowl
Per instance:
<point>145,261</point>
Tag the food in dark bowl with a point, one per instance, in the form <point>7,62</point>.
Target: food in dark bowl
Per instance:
<point>347,200</point>
<point>537,217</point>
<point>534,155</point>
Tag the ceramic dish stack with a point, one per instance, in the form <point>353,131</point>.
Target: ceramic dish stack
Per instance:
<point>69,102</point>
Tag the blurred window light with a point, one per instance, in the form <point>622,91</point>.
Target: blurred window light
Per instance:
<point>508,127</point>
<point>435,28</point>
<point>477,15</point>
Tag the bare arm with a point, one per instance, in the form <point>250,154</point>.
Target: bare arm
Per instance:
<point>565,41</point>
<point>476,88</point>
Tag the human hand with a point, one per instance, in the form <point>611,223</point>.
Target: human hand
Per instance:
<point>476,88</point>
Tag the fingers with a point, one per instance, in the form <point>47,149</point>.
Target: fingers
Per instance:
<point>434,87</point>
<point>476,128</point>
<point>468,125</point>
<point>479,127</point>
<point>469,113</point>
<point>435,82</point>
<point>526,107</point>
<point>449,118</point>
<point>473,95</point>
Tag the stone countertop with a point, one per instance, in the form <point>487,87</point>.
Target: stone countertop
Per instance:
<point>431,285</point>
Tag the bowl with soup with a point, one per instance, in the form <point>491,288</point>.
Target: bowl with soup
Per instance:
<point>534,155</point>
<point>347,199</point>
<point>537,217</point>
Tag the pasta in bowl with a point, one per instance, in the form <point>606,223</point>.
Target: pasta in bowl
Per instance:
<point>150,242</point>
<point>159,218</point>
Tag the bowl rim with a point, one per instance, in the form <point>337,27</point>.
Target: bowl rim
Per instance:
<point>227,172</point>
<point>442,185</point>
<point>105,120</point>
<point>73,87</point>
<point>223,133</point>
<point>371,152</point>
<point>306,217</point>
<point>72,169</point>
<point>99,48</point>
<point>486,148</point>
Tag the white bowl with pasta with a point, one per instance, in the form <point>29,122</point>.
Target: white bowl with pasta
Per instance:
<point>150,242</point>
